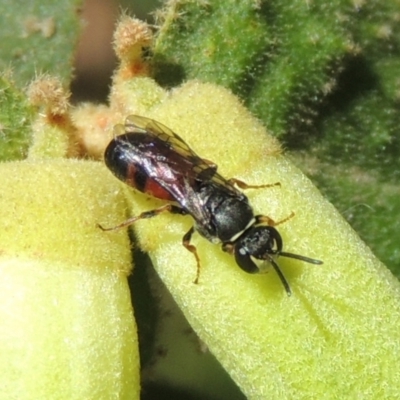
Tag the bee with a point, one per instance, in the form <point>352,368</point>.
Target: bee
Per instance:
<point>151,158</point>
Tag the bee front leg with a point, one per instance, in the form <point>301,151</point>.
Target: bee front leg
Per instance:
<point>244,185</point>
<point>263,219</point>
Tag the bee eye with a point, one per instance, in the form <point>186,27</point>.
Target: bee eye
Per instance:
<point>243,259</point>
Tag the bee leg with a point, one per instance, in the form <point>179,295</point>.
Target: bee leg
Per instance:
<point>147,214</point>
<point>263,219</point>
<point>244,185</point>
<point>186,242</point>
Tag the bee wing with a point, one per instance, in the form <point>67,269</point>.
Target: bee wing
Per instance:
<point>195,166</point>
<point>118,130</point>
<point>176,167</point>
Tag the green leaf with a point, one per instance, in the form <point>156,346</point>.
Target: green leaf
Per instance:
<point>38,36</point>
<point>321,75</point>
<point>15,120</point>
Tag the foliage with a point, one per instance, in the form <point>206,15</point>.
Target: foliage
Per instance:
<point>323,76</point>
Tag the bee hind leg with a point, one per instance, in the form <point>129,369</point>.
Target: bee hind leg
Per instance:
<point>186,242</point>
<point>145,215</point>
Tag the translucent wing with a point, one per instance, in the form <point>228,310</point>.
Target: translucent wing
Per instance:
<point>171,163</point>
<point>200,169</point>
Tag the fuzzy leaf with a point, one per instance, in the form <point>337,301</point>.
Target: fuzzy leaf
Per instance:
<point>15,119</point>
<point>38,37</point>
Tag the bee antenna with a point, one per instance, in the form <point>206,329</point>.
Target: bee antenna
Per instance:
<point>281,276</point>
<point>302,258</point>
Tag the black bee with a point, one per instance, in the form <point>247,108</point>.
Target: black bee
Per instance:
<point>154,160</point>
